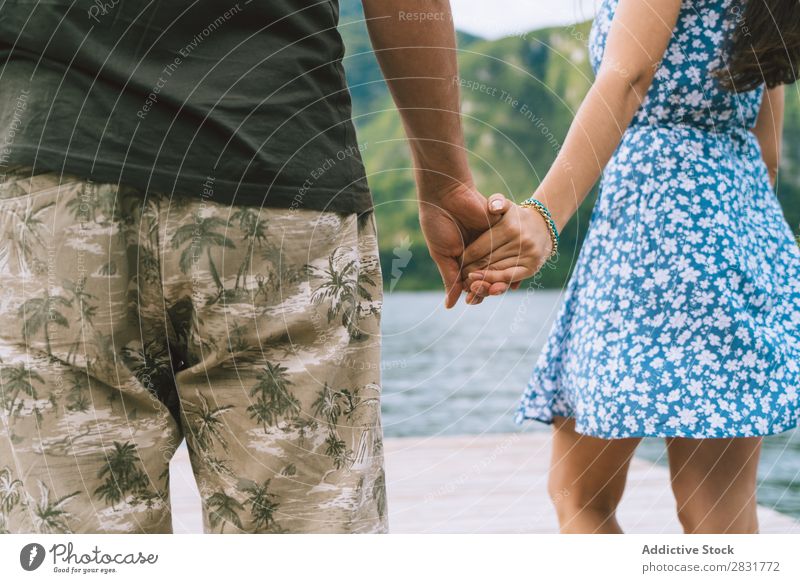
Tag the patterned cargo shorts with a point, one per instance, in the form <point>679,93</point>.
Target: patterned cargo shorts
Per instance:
<point>130,321</point>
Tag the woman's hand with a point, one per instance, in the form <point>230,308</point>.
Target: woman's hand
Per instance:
<point>512,250</point>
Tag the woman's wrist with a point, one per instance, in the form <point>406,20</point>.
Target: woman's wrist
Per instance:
<point>561,211</point>
<point>538,207</point>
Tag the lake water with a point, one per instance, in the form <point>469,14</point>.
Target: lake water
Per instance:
<point>463,371</point>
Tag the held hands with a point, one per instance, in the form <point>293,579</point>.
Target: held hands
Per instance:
<point>450,221</point>
<point>482,247</point>
<point>514,248</point>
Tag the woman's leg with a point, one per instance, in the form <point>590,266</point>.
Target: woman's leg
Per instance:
<point>587,478</point>
<point>714,482</point>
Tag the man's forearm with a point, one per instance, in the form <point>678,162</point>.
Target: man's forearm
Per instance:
<point>415,44</point>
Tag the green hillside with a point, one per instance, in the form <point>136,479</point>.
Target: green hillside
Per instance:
<point>533,84</point>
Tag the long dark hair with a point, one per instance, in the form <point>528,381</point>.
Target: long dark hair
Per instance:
<point>765,47</point>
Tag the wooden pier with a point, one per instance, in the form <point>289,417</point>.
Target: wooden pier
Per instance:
<point>492,483</point>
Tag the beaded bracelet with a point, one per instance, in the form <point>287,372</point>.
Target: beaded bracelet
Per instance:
<point>539,207</point>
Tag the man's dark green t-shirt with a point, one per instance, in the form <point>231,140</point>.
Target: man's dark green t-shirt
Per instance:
<point>238,102</point>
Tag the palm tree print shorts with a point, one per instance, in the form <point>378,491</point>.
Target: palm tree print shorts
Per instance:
<point>130,321</point>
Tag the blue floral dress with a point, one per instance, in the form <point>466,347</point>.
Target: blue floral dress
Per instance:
<point>682,317</point>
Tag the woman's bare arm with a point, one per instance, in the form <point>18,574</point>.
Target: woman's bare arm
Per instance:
<point>639,36</point>
<point>769,129</point>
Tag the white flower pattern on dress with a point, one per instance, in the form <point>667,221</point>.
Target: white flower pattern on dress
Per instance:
<point>682,317</point>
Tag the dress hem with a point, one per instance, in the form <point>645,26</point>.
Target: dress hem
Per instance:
<point>523,418</point>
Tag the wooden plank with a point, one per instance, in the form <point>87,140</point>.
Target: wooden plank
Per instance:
<point>493,483</point>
